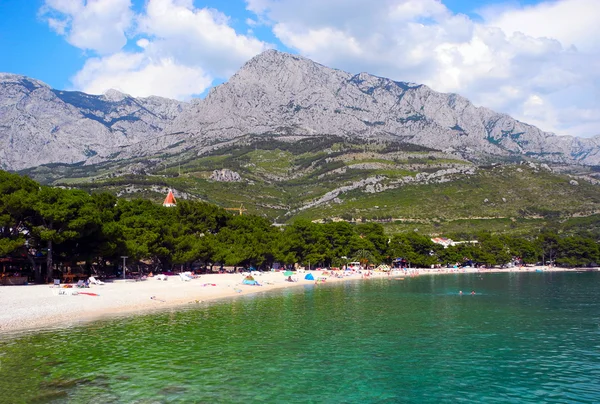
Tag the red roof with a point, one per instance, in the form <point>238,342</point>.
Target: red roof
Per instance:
<point>170,199</point>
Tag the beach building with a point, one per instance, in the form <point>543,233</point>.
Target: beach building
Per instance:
<point>447,242</point>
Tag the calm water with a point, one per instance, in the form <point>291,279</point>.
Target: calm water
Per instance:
<point>526,338</point>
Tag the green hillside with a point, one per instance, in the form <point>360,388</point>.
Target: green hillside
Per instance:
<point>285,180</point>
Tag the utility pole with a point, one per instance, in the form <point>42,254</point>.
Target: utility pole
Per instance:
<point>124,258</point>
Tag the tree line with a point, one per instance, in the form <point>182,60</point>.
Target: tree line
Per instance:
<point>70,225</point>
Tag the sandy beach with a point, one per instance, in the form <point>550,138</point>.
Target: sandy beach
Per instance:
<point>30,307</point>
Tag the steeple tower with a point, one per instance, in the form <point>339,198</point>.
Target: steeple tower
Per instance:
<point>170,200</point>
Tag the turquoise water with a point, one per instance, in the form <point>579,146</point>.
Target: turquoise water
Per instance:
<point>523,338</point>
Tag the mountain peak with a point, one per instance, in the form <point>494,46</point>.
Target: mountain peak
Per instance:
<point>282,71</point>
<point>274,54</point>
<point>115,95</point>
<point>285,94</point>
<point>273,59</point>
<point>29,83</point>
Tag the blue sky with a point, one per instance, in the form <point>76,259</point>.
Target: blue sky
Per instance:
<point>31,48</point>
<point>28,47</point>
<point>517,57</point>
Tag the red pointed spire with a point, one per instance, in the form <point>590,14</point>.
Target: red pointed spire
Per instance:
<point>170,200</point>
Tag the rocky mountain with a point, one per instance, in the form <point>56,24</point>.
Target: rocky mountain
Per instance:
<point>40,125</point>
<point>275,94</point>
<point>282,94</point>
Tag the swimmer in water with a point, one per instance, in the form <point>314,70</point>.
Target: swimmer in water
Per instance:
<point>472,292</point>
<point>460,292</point>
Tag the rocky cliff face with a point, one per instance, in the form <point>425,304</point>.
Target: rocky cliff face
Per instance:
<point>273,94</point>
<point>225,175</point>
<point>279,93</point>
<point>40,125</point>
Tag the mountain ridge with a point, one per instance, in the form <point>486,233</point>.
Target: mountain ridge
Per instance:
<point>411,124</point>
<point>40,125</point>
<point>274,94</point>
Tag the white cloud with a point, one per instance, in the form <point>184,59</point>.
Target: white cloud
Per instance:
<point>136,74</point>
<point>143,43</point>
<point>572,22</point>
<point>58,26</point>
<point>319,40</point>
<point>504,62</point>
<point>197,36</point>
<point>98,25</point>
<point>181,49</point>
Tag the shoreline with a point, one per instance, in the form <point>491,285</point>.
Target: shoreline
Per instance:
<point>32,308</point>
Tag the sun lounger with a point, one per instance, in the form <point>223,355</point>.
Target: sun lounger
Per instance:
<point>185,277</point>
<point>94,281</point>
<point>161,277</point>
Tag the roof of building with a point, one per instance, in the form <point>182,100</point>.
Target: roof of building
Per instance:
<point>170,200</point>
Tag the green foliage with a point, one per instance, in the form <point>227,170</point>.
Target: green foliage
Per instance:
<point>416,249</point>
<point>15,209</point>
<point>9,245</point>
<point>577,251</point>
<point>71,225</point>
<point>281,177</point>
<point>247,241</point>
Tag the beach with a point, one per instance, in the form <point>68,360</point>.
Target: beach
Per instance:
<point>31,307</point>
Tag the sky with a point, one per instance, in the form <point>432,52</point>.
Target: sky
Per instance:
<point>536,60</point>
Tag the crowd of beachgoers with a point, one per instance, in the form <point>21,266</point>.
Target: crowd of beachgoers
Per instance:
<point>30,307</point>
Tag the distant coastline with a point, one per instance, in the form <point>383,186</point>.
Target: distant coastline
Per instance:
<point>37,307</point>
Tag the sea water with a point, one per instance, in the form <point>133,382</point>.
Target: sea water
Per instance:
<point>522,338</point>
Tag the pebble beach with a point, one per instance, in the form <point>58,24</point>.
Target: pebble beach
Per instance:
<point>31,307</point>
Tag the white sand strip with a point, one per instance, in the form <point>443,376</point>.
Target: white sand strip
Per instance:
<point>41,306</point>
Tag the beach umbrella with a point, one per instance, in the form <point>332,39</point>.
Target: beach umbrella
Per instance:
<point>288,273</point>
